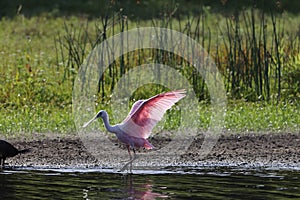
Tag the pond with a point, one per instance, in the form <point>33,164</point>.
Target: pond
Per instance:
<point>170,183</point>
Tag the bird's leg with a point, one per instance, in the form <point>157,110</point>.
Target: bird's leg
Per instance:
<point>128,149</point>
<point>130,157</point>
<point>130,161</point>
<point>130,169</point>
<point>134,157</point>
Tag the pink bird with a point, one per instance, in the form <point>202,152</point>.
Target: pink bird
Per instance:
<point>143,116</point>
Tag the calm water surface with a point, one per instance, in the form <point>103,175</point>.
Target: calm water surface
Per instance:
<point>184,183</point>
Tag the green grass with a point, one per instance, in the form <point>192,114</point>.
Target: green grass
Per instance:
<point>36,87</point>
<point>34,96</point>
<point>33,119</point>
<point>240,117</point>
<point>261,116</point>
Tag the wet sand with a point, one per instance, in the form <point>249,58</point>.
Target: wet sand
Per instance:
<point>247,149</point>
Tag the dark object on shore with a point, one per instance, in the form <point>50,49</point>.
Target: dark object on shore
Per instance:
<point>8,150</point>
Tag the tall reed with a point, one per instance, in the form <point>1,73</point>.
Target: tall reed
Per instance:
<point>248,48</point>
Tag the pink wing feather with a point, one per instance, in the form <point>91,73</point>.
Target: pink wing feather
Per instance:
<point>145,114</point>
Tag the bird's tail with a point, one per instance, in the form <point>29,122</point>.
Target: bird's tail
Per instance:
<point>148,145</point>
<point>24,151</point>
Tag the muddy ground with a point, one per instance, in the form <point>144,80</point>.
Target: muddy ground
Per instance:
<point>249,149</point>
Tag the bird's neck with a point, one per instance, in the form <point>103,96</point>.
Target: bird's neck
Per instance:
<point>108,126</point>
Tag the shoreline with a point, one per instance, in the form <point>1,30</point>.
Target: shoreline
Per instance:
<point>235,150</point>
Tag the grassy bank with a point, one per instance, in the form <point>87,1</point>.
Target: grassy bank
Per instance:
<point>37,73</point>
<point>240,117</point>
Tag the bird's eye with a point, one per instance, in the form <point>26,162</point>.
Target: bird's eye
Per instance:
<point>99,114</point>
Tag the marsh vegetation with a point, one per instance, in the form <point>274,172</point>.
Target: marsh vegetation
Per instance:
<point>256,50</point>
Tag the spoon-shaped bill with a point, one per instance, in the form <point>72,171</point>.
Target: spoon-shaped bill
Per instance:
<point>87,123</point>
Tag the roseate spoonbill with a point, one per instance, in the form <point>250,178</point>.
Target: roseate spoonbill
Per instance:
<point>143,116</point>
<point>8,150</point>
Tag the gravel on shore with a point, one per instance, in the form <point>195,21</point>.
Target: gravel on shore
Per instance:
<point>247,149</point>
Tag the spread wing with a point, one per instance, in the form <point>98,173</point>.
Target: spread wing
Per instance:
<point>145,114</point>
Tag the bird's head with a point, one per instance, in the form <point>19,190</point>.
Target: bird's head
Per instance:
<point>102,114</point>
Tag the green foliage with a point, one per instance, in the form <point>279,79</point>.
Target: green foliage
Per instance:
<point>255,52</point>
<point>36,119</point>
<point>258,116</point>
<point>40,56</point>
<point>33,96</point>
<point>141,9</point>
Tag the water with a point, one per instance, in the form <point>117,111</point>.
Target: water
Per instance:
<point>183,183</point>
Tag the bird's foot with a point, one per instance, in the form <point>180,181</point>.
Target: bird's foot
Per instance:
<point>128,163</point>
<point>126,167</point>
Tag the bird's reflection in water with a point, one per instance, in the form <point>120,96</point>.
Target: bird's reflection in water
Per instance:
<point>7,190</point>
<point>143,191</point>
<point>127,186</point>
